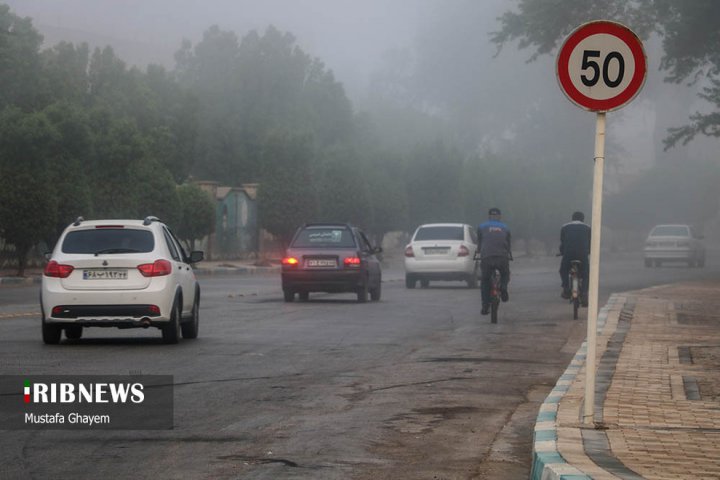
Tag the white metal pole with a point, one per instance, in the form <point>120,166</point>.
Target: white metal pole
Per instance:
<point>589,404</point>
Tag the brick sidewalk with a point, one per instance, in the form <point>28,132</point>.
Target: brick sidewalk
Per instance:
<point>657,397</point>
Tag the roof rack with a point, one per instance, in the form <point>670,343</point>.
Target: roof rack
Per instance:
<point>78,221</point>
<point>149,219</point>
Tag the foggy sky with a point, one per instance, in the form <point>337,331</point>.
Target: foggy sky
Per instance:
<point>350,36</point>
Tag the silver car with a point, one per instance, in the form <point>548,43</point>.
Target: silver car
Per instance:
<point>674,243</point>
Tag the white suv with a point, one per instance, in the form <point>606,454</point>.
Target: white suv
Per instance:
<point>119,273</point>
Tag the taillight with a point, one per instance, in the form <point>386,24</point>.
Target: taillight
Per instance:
<point>157,269</point>
<point>352,261</point>
<point>409,251</point>
<point>57,270</point>
<point>463,251</point>
<point>290,261</point>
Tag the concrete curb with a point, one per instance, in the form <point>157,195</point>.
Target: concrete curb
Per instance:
<point>240,270</point>
<point>547,462</point>
<point>16,281</point>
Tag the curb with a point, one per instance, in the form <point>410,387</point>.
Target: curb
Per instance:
<point>547,462</point>
<point>15,281</point>
<point>242,270</point>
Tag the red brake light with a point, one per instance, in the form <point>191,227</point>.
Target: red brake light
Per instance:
<point>352,261</point>
<point>409,251</point>
<point>157,269</point>
<point>290,261</point>
<point>57,270</point>
<point>463,251</point>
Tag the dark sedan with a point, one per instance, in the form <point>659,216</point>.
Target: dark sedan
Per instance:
<point>331,258</point>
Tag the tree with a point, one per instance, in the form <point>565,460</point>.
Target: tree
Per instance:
<point>19,60</point>
<point>286,196</point>
<point>27,209</point>
<point>197,214</point>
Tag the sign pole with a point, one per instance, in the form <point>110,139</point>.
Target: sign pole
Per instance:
<point>589,404</point>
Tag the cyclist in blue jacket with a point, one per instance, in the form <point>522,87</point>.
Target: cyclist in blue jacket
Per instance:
<point>495,253</point>
<point>575,245</point>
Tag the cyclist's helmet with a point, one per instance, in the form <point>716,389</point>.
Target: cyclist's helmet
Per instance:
<point>494,211</point>
<point>578,216</point>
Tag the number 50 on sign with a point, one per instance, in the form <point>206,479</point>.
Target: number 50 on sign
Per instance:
<point>601,66</point>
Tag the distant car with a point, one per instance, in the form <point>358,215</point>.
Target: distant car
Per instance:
<point>334,258</point>
<point>674,243</point>
<point>441,251</point>
<point>119,273</point>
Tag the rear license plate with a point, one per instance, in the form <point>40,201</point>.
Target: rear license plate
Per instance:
<point>435,251</point>
<point>316,262</point>
<point>105,274</point>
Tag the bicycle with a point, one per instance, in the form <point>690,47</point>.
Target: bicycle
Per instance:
<point>495,291</point>
<point>574,280</point>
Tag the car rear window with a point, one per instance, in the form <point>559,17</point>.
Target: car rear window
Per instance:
<point>109,240</point>
<point>324,237</point>
<point>670,231</point>
<point>440,233</point>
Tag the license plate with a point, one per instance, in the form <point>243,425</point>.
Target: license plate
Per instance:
<point>316,262</point>
<point>105,274</point>
<point>435,251</point>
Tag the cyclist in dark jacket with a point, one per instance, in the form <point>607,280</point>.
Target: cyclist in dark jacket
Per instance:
<point>575,245</point>
<point>495,253</point>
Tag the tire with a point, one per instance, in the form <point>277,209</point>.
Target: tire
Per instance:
<point>73,332</point>
<point>472,281</point>
<point>50,333</point>
<point>494,306</point>
<point>658,263</point>
<point>288,295</point>
<point>648,263</point>
<point>171,331</point>
<point>362,292</point>
<point>701,263</point>
<point>410,281</point>
<point>376,292</point>
<point>304,296</point>
<point>576,307</point>
<point>190,329</point>
<point>424,283</point>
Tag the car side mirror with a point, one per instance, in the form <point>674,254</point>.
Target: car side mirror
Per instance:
<point>47,255</point>
<point>377,250</point>
<point>196,256</point>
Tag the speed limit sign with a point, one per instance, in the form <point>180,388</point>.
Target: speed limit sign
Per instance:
<point>601,66</point>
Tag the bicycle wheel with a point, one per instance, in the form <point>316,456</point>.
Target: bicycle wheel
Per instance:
<point>575,297</point>
<point>494,306</point>
<point>576,307</point>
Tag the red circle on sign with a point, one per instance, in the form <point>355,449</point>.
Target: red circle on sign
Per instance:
<point>609,28</point>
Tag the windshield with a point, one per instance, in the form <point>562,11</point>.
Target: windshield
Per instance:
<point>670,231</point>
<point>109,240</point>
<point>440,233</point>
<point>324,237</point>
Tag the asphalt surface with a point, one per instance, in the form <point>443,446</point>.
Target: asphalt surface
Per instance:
<point>417,386</point>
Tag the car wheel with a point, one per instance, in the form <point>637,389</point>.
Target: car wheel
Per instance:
<point>362,292</point>
<point>171,331</point>
<point>409,281</point>
<point>424,283</point>
<point>658,263</point>
<point>190,329</point>
<point>304,296</point>
<point>648,263</point>
<point>472,281</point>
<point>376,292</point>
<point>73,332</point>
<point>701,263</point>
<point>50,333</point>
<point>288,295</point>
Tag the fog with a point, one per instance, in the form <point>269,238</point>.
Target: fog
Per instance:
<point>487,102</point>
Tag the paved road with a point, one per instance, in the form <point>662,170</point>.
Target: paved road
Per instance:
<point>415,386</point>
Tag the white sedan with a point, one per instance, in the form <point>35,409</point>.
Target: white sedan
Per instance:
<point>441,251</point>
